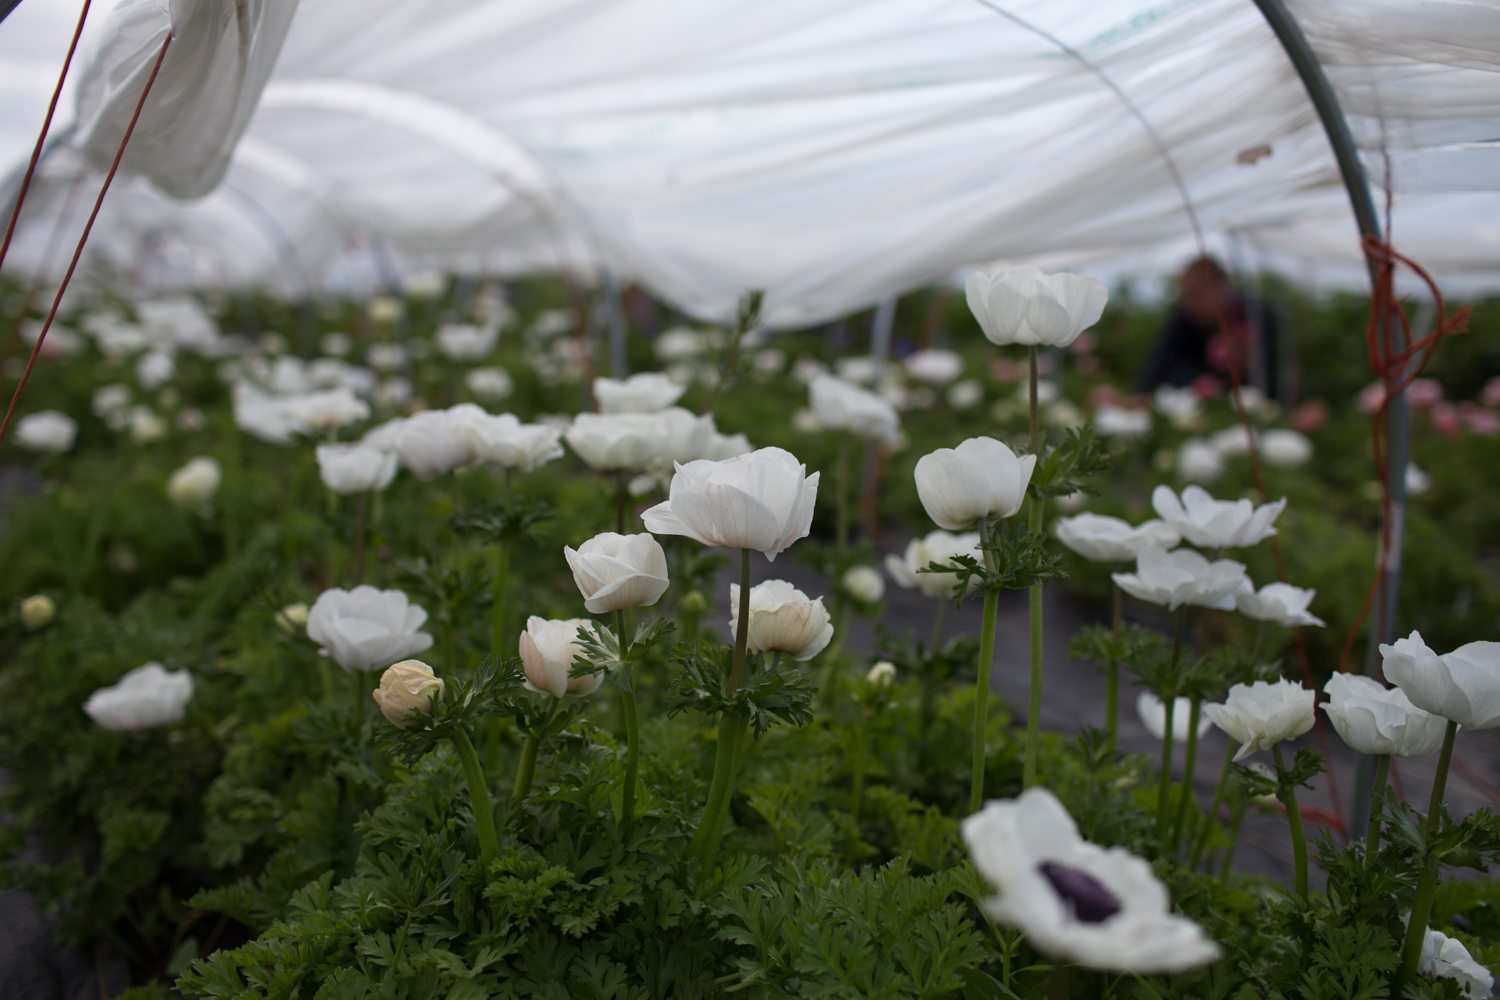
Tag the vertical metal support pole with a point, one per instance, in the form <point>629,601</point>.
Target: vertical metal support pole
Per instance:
<point>1346,154</point>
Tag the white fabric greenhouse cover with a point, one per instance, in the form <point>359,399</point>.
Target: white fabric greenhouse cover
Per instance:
<point>829,152</point>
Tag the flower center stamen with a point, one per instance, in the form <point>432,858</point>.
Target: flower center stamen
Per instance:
<point>1088,898</point>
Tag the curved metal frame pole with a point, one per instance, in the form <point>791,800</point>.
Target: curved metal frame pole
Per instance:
<point>1346,153</point>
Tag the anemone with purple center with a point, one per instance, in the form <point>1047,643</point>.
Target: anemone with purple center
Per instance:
<point>1097,907</point>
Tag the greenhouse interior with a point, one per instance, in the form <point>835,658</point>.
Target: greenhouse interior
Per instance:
<point>632,499</point>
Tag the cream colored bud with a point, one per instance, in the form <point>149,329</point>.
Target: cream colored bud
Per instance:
<point>406,687</point>
<point>37,612</point>
<point>292,618</point>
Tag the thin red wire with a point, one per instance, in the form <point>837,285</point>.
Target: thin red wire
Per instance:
<point>62,289</point>
<point>1396,363</point>
<point>41,138</point>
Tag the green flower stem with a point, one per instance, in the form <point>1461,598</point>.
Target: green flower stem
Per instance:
<point>1190,759</point>
<point>361,519</point>
<point>1377,788</point>
<point>497,606</point>
<point>935,640</point>
<point>1034,522</point>
<point>982,697</point>
<point>1421,907</point>
<point>527,768</point>
<point>741,634</point>
<point>1294,820</point>
<point>361,695</point>
<point>1209,818</point>
<point>731,733</point>
<point>732,728</point>
<point>1169,704</point>
<point>479,797</point>
<point>1235,822</point>
<point>632,734</point>
<point>1112,674</point>
<point>234,496</point>
<point>830,655</point>
<point>622,500</point>
<point>632,757</point>
<point>1164,781</point>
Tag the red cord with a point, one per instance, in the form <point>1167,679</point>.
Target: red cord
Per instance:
<point>114,167</point>
<point>1396,363</point>
<point>41,138</point>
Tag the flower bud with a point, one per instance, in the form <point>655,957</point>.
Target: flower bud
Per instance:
<point>406,687</point>
<point>864,584</point>
<point>782,620</point>
<point>693,604</point>
<point>292,618</point>
<point>37,611</point>
<point>882,674</point>
<point>548,649</point>
<point>980,479</point>
<point>616,571</point>
<point>195,484</point>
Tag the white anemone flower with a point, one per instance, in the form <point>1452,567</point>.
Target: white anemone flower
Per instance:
<point>48,431</point>
<point>613,442</point>
<point>935,547</point>
<point>761,501</point>
<point>1258,716</point>
<point>1444,957</point>
<point>1375,719</point>
<point>1462,686</point>
<point>1173,579</point>
<point>782,620</point>
<point>1279,603</point>
<point>645,392</point>
<point>981,479</point>
<point>1101,908</point>
<point>366,628</point>
<point>615,571</point>
<point>1022,305</point>
<point>1213,524</point>
<point>503,441</point>
<point>1100,538</point>
<point>933,366</point>
<point>1153,714</point>
<point>548,650</point>
<point>147,697</point>
<point>347,469</point>
<point>1199,462</point>
<point>843,406</point>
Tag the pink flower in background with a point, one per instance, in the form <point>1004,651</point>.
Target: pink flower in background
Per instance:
<point>1104,395</point>
<point>1085,343</point>
<point>1207,386</point>
<point>1087,364</point>
<point>1006,370</point>
<point>1490,394</point>
<point>1370,398</point>
<point>1445,420</point>
<point>1422,393</point>
<point>1485,423</point>
<point>1308,417</point>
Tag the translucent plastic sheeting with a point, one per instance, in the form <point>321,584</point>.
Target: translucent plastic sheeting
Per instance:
<point>832,152</point>
<point>208,86</point>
